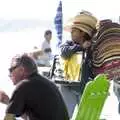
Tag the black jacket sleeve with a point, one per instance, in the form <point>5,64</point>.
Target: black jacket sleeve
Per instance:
<point>17,102</point>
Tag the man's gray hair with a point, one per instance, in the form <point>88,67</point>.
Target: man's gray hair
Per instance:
<point>27,62</point>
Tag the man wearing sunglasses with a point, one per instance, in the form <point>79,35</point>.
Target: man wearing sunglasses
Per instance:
<point>34,96</point>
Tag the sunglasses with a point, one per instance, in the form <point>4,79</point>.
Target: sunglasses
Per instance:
<point>19,61</point>
<point>13,68</point>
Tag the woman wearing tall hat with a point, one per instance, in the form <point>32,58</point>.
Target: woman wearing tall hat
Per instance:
<point>82,29</point>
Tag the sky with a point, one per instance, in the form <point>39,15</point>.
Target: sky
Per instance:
<point>34,9</point>
<point>16,15</point>
<point>100,8</point>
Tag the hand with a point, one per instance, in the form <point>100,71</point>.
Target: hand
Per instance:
<point>36,53</point>
<point>86,44</point>
<point>4,97</point>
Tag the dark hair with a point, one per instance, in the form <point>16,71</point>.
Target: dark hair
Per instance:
<point>87,37</point>
<point>105,21</point>
<point>27,62</point>
<point>47,32</point>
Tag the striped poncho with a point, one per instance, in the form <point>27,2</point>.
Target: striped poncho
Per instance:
<point>106,50</point>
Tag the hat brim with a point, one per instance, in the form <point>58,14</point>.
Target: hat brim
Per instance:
<point>82,27</point>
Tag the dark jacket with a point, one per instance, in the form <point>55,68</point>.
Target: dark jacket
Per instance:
<point>39,99</point>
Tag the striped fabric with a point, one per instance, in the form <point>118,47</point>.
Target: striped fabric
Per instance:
<point>106,50</point>
<point>58,23</point>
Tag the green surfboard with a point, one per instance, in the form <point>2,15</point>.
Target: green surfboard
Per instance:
<point>93,98</point>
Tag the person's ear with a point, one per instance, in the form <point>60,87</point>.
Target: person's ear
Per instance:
<point>22,70</point>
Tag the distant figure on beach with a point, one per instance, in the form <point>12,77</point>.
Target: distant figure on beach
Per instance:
<point>35,97</point>
<point>43,54</point>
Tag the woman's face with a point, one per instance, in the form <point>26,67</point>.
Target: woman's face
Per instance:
<point>77,35</point>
